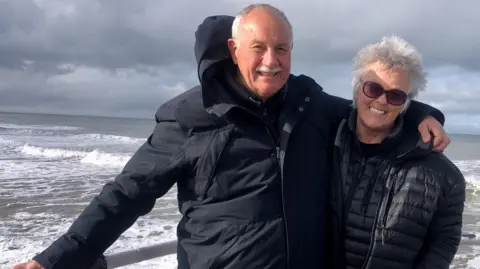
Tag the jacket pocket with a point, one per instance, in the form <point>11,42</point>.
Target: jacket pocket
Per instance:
<point>227,251</point>
<point>207,164</point>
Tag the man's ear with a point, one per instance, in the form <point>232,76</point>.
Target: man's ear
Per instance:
<point>232,47</point>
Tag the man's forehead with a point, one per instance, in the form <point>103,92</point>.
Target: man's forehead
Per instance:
<point>276,42</point>
<point>261,33</point>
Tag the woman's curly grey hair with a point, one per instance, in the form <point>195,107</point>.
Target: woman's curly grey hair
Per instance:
<point>394,53</point>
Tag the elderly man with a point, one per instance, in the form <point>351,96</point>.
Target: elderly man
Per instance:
<point>250,152</point>
<point>397,204</point>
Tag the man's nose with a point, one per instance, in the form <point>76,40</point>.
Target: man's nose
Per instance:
<point>270,58</point>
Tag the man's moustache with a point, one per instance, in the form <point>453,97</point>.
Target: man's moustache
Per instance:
<point>267,69</point>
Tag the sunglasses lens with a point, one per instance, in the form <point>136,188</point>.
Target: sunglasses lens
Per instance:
<point>396,97</point>
<point>372,89</point>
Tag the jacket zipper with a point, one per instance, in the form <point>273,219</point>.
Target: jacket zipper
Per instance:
<point>372,236</point>
<point>278,153</point>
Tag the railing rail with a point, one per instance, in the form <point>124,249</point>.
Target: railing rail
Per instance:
<point>128,257</point>
<point>141,254</point>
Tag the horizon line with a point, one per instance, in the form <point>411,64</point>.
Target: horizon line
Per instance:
<point>135,118</point>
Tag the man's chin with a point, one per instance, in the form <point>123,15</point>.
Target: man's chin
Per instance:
<point>269,90</point>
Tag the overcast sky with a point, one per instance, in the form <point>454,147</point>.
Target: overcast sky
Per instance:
<point>125,57</point>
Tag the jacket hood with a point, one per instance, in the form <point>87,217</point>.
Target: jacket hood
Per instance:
<point>211,44</point>
<point>405,140</point>
<point>213,59</point>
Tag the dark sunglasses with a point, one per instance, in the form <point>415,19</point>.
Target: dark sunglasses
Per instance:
<point>394,97</point>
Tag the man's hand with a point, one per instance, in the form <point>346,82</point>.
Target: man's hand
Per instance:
<point>440,140</point>
<point>28,265</point>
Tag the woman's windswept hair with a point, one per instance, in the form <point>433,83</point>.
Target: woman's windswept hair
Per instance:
<point>394,53</point>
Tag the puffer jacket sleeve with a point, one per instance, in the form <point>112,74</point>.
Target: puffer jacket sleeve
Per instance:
<point>149,174</point>
<point>444,234</point>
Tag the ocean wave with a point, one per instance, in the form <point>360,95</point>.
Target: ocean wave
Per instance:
<point>471,171</point>
<point>38,127</point>
<point>96,157</point>
<point>107,138</point>
<point>71,145</point>
<point>467,166</point>
<point>6,141</point>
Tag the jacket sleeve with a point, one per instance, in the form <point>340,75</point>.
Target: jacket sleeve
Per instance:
<point>148,175</point>
<point>418,111</point>
<point>445,232</point>
<point>339,108</point>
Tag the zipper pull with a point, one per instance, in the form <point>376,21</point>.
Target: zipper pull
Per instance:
<point>278,153</point>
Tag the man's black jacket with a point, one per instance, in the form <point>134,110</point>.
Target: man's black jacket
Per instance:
<point>249,198</point>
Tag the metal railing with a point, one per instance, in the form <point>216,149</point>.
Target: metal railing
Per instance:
<point>137,255</point>
<point>128,257</point>
<point>141,254</point>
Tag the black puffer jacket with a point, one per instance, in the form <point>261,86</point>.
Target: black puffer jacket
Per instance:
<point>252,189</point>
<point>400,209</point>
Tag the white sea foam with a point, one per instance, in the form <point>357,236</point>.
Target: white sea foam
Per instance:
<point>107,138</point>
<point>468,166</point>
<point>96,157</point>
<point>35,232</point>
<point>475,262</point>
<point>4,141</point>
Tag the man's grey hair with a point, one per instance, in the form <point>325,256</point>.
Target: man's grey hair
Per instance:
<point>239,17</point>
<point>394,53</point>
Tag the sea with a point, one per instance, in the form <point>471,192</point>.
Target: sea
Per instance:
<point>52,166</point>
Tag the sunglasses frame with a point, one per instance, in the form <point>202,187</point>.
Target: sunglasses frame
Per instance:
<point>388,93</point>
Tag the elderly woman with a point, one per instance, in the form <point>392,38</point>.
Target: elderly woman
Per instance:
<point>395,203</point>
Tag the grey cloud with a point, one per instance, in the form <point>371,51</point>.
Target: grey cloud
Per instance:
<point>124,57</point>
<point>125,33</point>
<point>444,31</point>
<point>92,91</point>
<point>105,34</point>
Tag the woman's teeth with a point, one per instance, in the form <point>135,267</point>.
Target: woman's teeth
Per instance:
<point>377,111</point>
